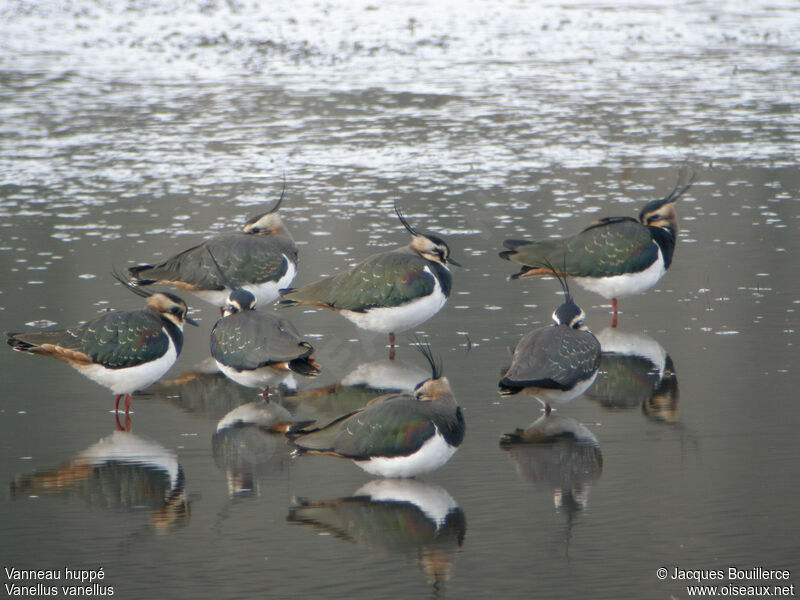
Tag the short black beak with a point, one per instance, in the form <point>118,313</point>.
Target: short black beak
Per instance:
<point>191,321</point>
<point>452,262</point>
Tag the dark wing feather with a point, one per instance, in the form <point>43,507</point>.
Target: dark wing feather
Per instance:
<point>115,340</point>
<point>250,339</point>
<point>624,380</point>
<point>611,247</point>
<point>395,425</point>
<point>387,279</point>
<point>553,358</point>
<point>244,258</point>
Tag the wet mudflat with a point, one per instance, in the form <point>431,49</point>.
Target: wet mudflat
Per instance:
<point>130,132</point>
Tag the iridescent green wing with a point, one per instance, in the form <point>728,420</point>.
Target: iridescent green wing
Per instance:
<point>611,247</point>
<point>119,339</point>
<point>554,358</point>
<point>395,425</point>
<point>387,279</point>
<point>244,258</point>
<point>624,380</point>
<point>249,340</point>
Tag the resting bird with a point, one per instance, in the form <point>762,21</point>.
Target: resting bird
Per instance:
<point>261,258</point>
<point>397,435</point>
<point>253,348</point>
<point>616,257</point>
<point>555,363</point>
<point>390,292</point>
<point>124,351</point>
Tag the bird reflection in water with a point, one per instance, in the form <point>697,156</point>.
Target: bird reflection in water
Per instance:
<point>202,390</point>
<point>635,370</point>
<point>362,384</point>
<point>122,471</point>
<point>559,455</point>
<point>412,518</point>
<point>249,440</point>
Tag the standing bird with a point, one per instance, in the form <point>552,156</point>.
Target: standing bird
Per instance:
<point>261,258</point>
<point>124,351</point>
<point>390,292</point>
<point>555,363</point>
<point>397,435</point>
<point>253,348</point>
<point>616,257</point>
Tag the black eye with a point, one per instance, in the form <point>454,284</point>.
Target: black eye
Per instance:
<point>175,310</point>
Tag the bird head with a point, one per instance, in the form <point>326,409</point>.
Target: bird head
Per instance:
<point>437,387</point>
<point>267,223</point>
<point>169,306</point>
<point>571,315</point>
<point>237,301</point>
<point>661,212</point>
<point>428,245</point>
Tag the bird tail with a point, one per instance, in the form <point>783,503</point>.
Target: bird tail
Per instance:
<point>287,301</point>
<point>136,274</point>
<point>289,427</point>
<point>31,342</point>
<point>305,366</point>
<point>536,258</point>
<point>508,387</point>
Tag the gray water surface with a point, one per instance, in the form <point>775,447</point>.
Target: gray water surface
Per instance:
<point>130,131</point>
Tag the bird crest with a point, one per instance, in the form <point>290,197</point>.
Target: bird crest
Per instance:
<point>268,222</point>
<point>429,246</point>
<point>239,298</point>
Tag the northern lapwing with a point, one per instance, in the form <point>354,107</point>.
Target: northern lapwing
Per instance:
<point>124,351</point>
<point>560,455</point>
<point>555,363</point>
<point>397,435</point>
<point>249,442</point>
<point>390,292</point>
<point>616,257</point>
<point>406,517</point>
<point>261,258</point>
<point>121,471</point>
<point>254,348</point>
<point>634,369</point>
<point>365,382</point>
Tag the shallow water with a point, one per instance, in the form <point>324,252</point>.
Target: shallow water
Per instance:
<point>129,132</point>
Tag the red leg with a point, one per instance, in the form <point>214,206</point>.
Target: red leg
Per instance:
<point>120,427</point>
<point>614,312</point>
<point>127,404</point>
<point>391,346</point>
<point>265,394</point>
<point>116,402</point>
<point>547,409</point>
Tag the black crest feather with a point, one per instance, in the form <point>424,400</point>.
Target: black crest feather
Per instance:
<point>424,348</point>
<point>130,285</point>
<point>400,216</point>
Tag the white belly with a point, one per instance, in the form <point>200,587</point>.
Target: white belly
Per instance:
<point>265,293</point>
<point>630,284</point>
<point>562,396</point>
<point>613,341</point>
<point>258,378</point>
<point>131,379</point>
<point>434,453</point>
<point>396,319</point>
